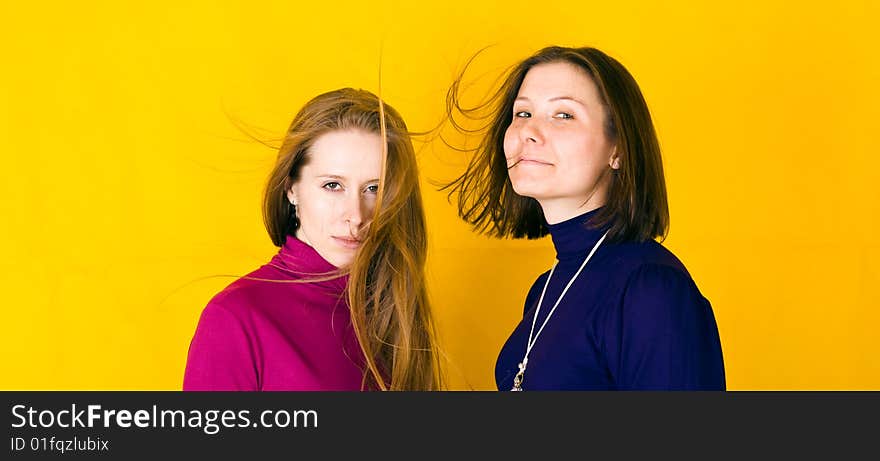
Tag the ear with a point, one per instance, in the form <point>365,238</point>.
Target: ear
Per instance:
<point>614,159</point>
<point>291,195</point>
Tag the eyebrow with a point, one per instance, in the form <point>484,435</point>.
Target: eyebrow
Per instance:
<point>557,98</point>
<point>341,178</point>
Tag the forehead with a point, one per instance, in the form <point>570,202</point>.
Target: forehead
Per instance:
<point>558,79</point>
<point>346,153</point>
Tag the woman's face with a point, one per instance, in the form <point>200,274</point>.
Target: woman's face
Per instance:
<point>336,192</point>
<point>556,147</point>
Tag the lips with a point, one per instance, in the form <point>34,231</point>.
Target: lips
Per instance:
<point>347,242</point>
<point>525,161</point>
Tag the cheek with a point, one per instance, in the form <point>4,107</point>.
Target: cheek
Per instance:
<point>579,151</point>
<point>369,207</point>
<point>315,212</point>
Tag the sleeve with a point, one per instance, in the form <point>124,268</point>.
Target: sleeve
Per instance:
<point>221,356</point>
<point>663,334</point>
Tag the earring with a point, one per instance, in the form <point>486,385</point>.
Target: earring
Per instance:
<point>292,219</point>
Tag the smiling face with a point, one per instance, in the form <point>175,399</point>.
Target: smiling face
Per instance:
<point>556,147</point>
<point>335,194</point>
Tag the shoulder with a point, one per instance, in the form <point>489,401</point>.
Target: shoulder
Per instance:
<point>653,283</point>
<point>221,354</point>
<point>653,272</point>
<point>656,299</point>
<point>633,259</point>
<point>646,277</point>
<point>655,287</point>
<point>248,294</point>
<point>224,315</point>
<point>538,284</point>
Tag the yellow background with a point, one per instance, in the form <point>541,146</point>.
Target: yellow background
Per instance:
<point>125,183</point>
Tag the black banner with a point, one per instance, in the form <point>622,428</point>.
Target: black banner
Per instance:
<point>410,425</point>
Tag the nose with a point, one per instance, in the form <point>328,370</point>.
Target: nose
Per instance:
<point>530,132</point>
<point>354,212</point>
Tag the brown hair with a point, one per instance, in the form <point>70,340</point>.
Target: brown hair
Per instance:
<point>387,294</point>
<point>636,207</point>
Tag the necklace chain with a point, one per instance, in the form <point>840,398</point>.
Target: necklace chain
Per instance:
<point>517,380</point>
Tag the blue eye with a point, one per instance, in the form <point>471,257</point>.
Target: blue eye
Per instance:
<point>522,114</point>
<point>563,116</point>
<point>333,185</point>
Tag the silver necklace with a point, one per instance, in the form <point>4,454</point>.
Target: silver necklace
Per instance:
<point>518,379</point>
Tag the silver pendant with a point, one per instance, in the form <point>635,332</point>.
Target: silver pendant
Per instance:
<point>518,379</point>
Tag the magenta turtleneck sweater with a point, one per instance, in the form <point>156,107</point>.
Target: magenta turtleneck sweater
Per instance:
<point>271,334</point>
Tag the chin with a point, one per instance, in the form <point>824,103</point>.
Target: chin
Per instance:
<point>342,259</point>
<point>530,189</point>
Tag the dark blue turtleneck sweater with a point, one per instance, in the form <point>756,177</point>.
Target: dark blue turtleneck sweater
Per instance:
<point>632,320</point>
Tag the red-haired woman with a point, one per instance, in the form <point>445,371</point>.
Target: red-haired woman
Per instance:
<point>343,304</point>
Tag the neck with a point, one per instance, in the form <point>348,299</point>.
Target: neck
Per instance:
<point>303,262</point>
<point>574,236</point>
<point>563,209</point>
<point>301,236</point>
<point>558,209</point>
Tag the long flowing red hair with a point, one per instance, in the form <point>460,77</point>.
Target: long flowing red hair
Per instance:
<point>387,293</point>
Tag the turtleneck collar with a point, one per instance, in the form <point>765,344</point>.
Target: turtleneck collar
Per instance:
<point>572,238</point>
<point>303,261</point>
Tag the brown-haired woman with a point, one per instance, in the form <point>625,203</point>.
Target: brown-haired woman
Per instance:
<point>343,304</point>
<point>570,150</point>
